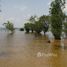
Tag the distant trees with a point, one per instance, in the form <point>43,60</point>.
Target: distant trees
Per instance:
<point>57,17</point>
<point>21,29</point>
<point>9,26</point>
<point>37,25</point>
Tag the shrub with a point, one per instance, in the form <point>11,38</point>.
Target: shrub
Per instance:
<point>21,29</point>
<point>9,26</point>
<point>38,27</point>
<point>27,27</point>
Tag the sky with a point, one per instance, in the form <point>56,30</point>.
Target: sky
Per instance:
<point>19,11</point>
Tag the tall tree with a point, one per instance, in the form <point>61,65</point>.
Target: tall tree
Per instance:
<point>32,22</point>
<point>57,17</point>
<point>45,22</point>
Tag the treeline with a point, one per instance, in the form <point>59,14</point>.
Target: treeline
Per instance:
<point>34,24</point>
<point>37,24</point>
<point>56,21</point>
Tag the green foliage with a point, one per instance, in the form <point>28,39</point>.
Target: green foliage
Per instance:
<point>45,21</point>
<point>31,27</point>
<point>32,19</point>
<point>57,17</point>
<point>44,18</point>
<point>65,28</point>
<point>65,24</point>
<point>27,27</point>
<point>9,26</point>
<point>38,27</point>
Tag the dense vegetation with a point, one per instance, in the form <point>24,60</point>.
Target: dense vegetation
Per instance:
<point>57,17</point>
<point>27,27</point>
<point>21,29</point>
<point>37,25</point>
<point>55,21</point>
<point>44,20</point>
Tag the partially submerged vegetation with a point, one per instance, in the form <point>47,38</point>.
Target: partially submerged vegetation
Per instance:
<point>21,29</point>
<point>55,21</point>
<point>9,26</point>
<point>37,25</point>
<point>57,17</point>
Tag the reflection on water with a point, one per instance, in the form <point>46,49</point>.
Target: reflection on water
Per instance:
<point>20,50</point>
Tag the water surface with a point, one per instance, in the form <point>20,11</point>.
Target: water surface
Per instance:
<point>29,50</point>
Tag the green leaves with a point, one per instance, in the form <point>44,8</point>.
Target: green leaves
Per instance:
<point>37,25</point>
<point>44,20</point>
<point>57,17</point>
<point>9,26</point>
<point>27,27</point>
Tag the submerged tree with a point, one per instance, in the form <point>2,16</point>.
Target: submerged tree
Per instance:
<point>37,24</point>
<point>9,26</point>
<point>21,29</point>
<point>32,22</point>
<point>57,17</point>
<point>27,27</point>
<point>45,23</point>
<point>32,27</point>
<point>38,27</point>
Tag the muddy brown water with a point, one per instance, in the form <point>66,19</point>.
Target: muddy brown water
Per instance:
<point>27,50</point>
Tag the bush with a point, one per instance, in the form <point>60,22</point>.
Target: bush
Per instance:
<point>44,20</point>
<point>21,29</point>
<point>27,27</point>
<point>9,26</point>
<point>57,17</point>
<point>38,27</point>
<point>31,27</point>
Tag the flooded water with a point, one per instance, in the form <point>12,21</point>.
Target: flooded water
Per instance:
<point>29,50</point>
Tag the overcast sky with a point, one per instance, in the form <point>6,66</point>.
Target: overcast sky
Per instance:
<point>19,11</point>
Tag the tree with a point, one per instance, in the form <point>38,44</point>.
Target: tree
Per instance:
<point>32,22</point>
<point>38,27</point>
<point>57,17</point>
<point>21,29</point>
<point>32,19</point>
<point>32,27</point>
<point>27,27</point>
<point>45,22</point>
<point>9,26</point>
